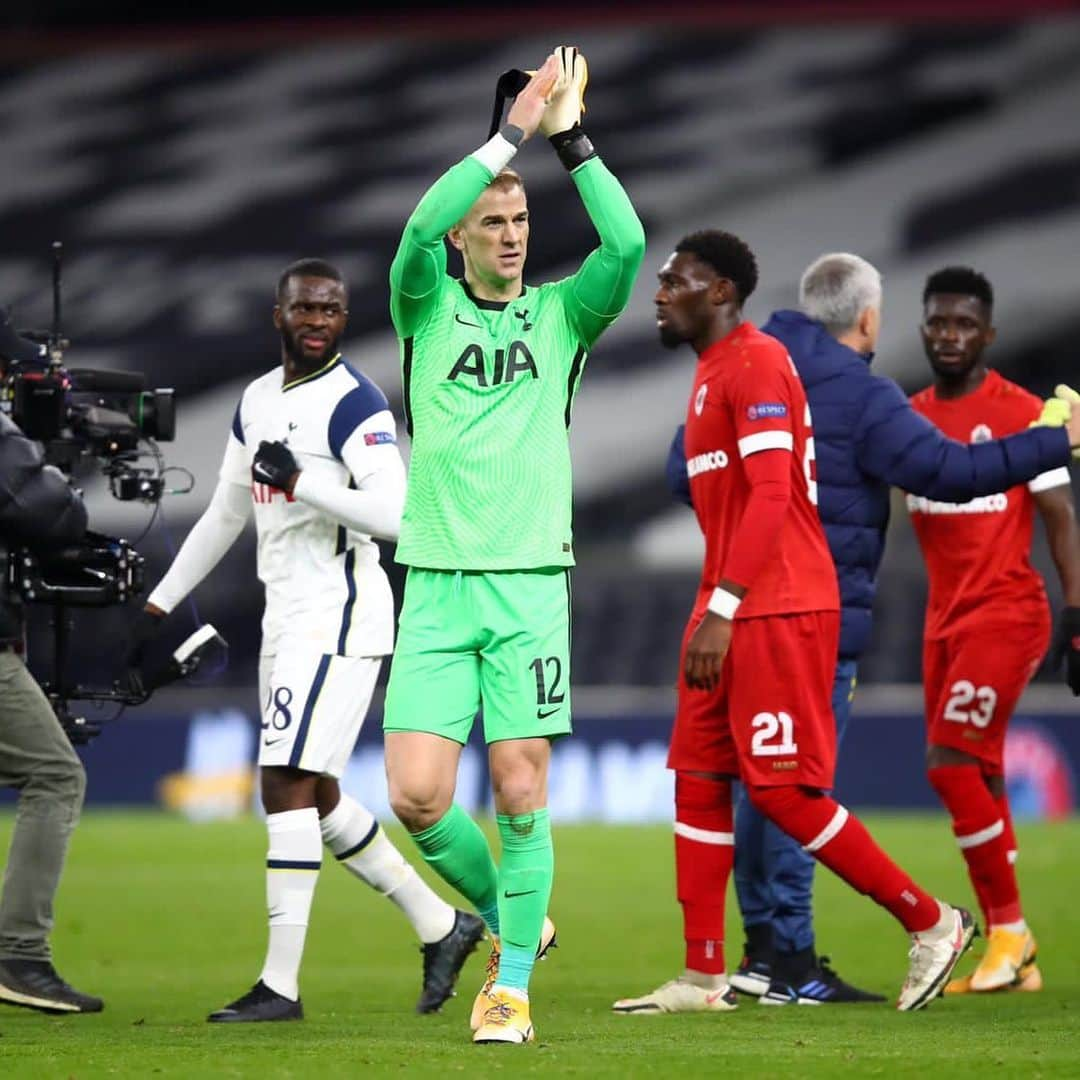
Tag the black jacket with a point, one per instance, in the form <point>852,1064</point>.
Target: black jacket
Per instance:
<point>38,509</point>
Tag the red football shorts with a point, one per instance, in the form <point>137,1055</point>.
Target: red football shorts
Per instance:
<point>769,721</point>
<point>972,682</point>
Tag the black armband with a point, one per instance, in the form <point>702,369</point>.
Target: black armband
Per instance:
<point>573,147</point>
<point>512,134</point>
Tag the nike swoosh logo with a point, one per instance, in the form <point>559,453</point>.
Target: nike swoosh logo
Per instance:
<point>511,895</point>
<point>543,714</point>
<point>273,742</point>
<point>465,322</point>
<point>261,469</point>
<point>716,995</point>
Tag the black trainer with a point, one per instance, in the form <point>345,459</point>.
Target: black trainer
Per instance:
<point>754,973</point>
<point>258,1004</point>
<point>444,959</point>
<point>34,984</point>
<point>816,984</point>
<point>779,992</point>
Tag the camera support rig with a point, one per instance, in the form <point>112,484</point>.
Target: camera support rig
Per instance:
<point>101,572</point>
<point>105,415</point>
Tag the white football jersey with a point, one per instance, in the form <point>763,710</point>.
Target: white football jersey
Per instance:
<point>325,589</point>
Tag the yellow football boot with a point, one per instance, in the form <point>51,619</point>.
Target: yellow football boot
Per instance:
<point>1006,953</point>
<point>1029,980</point>
<point>491,972</point>
<point>505,1020</point>
<point>483,999</point>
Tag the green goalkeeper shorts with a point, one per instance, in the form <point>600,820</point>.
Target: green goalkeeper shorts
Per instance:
<point>496,642</point>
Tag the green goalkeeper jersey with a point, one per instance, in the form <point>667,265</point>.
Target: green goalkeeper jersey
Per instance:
<point>488,386</point>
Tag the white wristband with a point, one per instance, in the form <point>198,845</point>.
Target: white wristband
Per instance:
<point>724,603</point>
<point>495,154</point>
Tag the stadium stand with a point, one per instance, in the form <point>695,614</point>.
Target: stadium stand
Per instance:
<point>181,180</point>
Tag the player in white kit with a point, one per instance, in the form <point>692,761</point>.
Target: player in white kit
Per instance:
<point>313,452</point>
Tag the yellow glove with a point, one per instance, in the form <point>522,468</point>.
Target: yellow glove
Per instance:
<point>1068,396</point>
<point>1055,413</point>
<point>567,103</point>
<point>1060,411</point>
<point>1066,393</point>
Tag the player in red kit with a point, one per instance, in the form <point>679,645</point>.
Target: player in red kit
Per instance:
<point>987,618</point>
<point>760,647</point>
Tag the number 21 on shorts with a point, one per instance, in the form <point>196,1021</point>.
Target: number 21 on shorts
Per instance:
<point>773,735</point>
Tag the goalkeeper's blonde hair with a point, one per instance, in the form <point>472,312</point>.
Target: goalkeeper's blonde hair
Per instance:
<point>506,180</point>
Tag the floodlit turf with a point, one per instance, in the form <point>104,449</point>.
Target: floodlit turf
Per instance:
<point>165,919</point>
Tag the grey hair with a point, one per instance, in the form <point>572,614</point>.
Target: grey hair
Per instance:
<point>836,289</point>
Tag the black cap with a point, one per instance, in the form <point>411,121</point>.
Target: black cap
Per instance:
<point>15,347</point>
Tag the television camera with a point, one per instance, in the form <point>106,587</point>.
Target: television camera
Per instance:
<point>108,417</point>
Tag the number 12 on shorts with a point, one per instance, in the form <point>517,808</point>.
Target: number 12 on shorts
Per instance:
<point>548,693</point>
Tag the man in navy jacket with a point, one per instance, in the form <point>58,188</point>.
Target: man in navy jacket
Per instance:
<point>867,439</point>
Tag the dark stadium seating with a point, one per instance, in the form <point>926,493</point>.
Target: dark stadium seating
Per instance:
<point>181,180</point>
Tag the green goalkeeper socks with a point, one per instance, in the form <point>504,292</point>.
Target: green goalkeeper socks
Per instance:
<point>525,875</point>
<point>456,849</point>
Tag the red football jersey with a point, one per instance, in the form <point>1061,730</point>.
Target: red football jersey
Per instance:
<point>978,553</point>
<point>747,397</point>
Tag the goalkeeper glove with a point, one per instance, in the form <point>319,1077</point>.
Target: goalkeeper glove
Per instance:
<point>274,465</point>
<point>1055,413</point>
<point>568,102</point>
<point>1068,395</point>
<point>1067,648</point>
<point>1058,412</point>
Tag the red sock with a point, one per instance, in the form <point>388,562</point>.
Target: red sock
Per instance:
<point>704,853</point>
<point>980,832</point>
<point>1009,836</point>
<point>840,841</point>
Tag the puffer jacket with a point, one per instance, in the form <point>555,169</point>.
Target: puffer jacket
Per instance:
<point>39,510</point>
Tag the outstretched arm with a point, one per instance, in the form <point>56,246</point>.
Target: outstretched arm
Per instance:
<point>601,288</point>
<point>896,444</point>
<point>598,292</point>
<point>419,267</point>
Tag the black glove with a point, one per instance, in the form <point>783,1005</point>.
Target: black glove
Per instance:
<point>144,628</point>
<point>274,465</point>
<point>1067,647</point>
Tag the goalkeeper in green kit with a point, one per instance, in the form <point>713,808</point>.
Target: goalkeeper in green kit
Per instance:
<point>490,367</point>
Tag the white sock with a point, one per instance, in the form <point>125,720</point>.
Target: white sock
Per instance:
<point>945,922</point>
<point>351,832</point>
<point>1018,927</point>
<point>703,980</point>
<point>292,869</point>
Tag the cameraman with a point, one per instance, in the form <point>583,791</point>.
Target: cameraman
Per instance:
<point>40,510</point>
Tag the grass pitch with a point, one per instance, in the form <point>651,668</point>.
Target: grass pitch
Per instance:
<point>166,920</point>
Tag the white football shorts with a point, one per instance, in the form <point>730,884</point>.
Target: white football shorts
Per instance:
<point>313,706</point>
